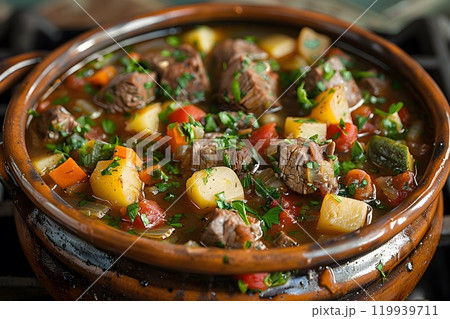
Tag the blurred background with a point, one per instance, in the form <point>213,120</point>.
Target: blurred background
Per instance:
<point>421,28</point>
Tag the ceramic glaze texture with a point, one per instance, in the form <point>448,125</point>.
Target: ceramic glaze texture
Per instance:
<point>210,260</point>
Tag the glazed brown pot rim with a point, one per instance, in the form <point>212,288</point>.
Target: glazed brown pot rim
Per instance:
<point>216,260</point>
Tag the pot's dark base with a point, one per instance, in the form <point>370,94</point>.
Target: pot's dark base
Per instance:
<point>67,267</point>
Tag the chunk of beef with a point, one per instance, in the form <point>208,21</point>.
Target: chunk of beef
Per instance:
<point>54,124</point>
<point>181,73</point>
<point>128,92</point>
<point>306,166</point>
<point>316,75</point>
<point>227,229</point>
<point>211,152</point>
<point>374,85</point>
<point>283,240</point>
<point>246,80</point>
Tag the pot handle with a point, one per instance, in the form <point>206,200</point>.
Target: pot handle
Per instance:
<point>13,69</point>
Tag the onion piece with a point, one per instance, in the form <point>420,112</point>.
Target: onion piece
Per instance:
<point>88,108</point>
<point>160,232</point>
<point>91,209</point>
<point>269,179</point>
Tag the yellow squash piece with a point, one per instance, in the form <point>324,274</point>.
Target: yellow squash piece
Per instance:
<point>332,106</point>
<point>340,215</point>
<point>122,187</point>
<point>203,186</point>
<point>304,127</point>
<point>145,119</point>
<point>278,45</point>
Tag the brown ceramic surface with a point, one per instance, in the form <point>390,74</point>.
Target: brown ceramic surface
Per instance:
<point>210,260</point>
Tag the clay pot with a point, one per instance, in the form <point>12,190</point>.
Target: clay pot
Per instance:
<point>201,273</point>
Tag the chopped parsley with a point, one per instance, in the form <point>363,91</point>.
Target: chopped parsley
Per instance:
<point>395,107</point>
<point>210,123</point>
<point>303,99</point>
<point>363,74</point>
<point>164,186</point>
<point>61,101</point>
<point>239,206</point>
<point>208,175</point>
<point>109,168</point>
<point>132,211</point>
<point>173,40</point>
<point>266,192</point>
<point>175,220</point>
<point>337,199</point>
<point>328,71</point>
<point>235,88</point>
<point>108,126</point>
<point>247,181</point>
<point>379,267</point>
<point>307,120</point>
<point>360,121</point>
<point>33,113</point>
<point>312,43</point>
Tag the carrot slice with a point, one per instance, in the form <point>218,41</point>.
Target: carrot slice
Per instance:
<point>103,76</point>
<point>177,136</point>
<point>127,153</point>
<point>144,174</point>
<point>68,174</point>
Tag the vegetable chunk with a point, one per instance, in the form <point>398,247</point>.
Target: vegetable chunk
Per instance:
<point>389,154</point>
<point>305,127</point>
<point>278,45</point>
<point>332,106</point>
<point>340,215</point>
<point>204,185</point>
<point>145,119</point>
<point>68,174</point>
<point>116,181</point>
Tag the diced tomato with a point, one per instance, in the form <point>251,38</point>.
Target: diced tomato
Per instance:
<point>254,281</point>
<point>181,115</point>
<point>344,137</point>
<point>75,82</point>
<point>265,132</point>
<point>396,188</point>
<point>288,217</point>
<point>359,191</point>
<point>150,215</point>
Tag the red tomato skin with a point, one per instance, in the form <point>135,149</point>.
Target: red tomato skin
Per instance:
<point>346,137</point>
<point>265,132</point>
<point>154,213</point>
<point>254,281</point>
<point>404,115</point>
<point>181,115</point>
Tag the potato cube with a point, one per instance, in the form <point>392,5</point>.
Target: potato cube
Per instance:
<point>332,106</point>
<point>304,127</point>
<point>277,45</point>
<point>119,184</point>
<point>203,186</point>
<point>145,119</point>
<point>339,215</point>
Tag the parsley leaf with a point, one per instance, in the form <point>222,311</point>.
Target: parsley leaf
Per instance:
<point>239,206</point>
<point>108,126</point>
<point>109,168</point>
<point>132,211</point>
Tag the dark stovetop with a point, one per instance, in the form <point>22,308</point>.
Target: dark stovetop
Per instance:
<point>427,40</point>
